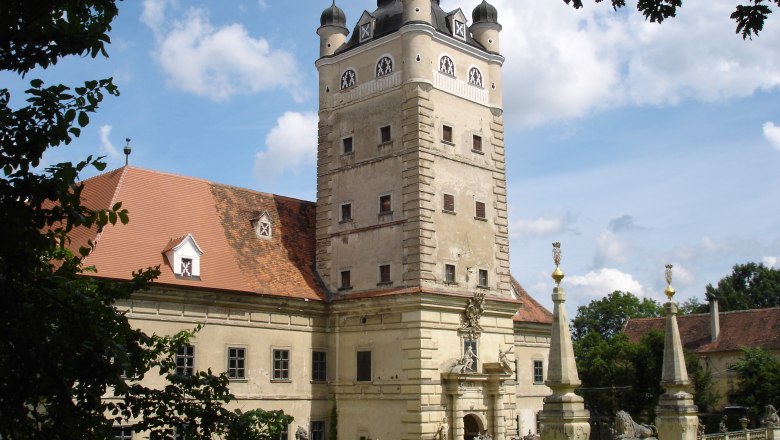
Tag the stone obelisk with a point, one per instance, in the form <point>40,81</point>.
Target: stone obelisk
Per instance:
<point>676,415</point>
<point>563,416</point>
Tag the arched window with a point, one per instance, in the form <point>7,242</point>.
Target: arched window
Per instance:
<point>348,79</point>
<point>447,66</point>
<point>475,77</point>
<point>384,66</point>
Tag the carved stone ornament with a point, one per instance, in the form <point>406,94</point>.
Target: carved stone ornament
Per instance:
<point>470,326</point>
<point>301,434</point>
<point>627,429</point>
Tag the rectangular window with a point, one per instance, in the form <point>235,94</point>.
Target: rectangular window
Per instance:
<point>346,212</point>
<point>186,267</point>
<point>384,274</point>
<point>364,366</point>
<point>470,355</point>
<point>346,145</point>
<point>317,430</point>
<point>385,134</point>
<point>479,210</point>
<point>281,364</point>
<point>476,143</point>
<point>123,433</point>
<point>483,278</point>
<point>236,363</point>
<point>319,371</point>
<point>346,279</point>
<point>446,133</point>
<point>538,372</point>
<point>385,204</point>
<point>185,360</point>
<point>284,434</point>
<point>449,202</point>
<point>449,273</point>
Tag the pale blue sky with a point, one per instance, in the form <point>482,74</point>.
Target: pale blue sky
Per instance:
<point>634,144</point>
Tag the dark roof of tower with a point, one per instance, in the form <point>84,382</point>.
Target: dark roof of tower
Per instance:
<point>333,16</point>
<point>389,19</point>
<point>485,13</point>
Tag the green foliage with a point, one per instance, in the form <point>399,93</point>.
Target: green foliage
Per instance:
<point>749,17</point>
<point>692,306</point>
<point>749,286</point>
<point>608,315</point>
<point>333,427</point>
<point>64,347</point>
<point>759,380</point>
<point>704,396</point>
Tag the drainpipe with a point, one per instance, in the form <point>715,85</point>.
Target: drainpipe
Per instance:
<point>714,319</point>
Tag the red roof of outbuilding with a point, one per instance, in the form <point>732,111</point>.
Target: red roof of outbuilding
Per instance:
<point>743,328</point>
<point>531,311</point>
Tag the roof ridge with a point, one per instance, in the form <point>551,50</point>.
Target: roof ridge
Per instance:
<point>262,193</point>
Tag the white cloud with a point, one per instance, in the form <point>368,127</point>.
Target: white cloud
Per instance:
<point>770,261</point>
<point>292,143</point>
<point>605,281</point>
<point>218,62</point>
<point>772,134</point>
<point>106,146</point>
<point>610,248</point>
<point>543,226</point>
<point>564,63</point>
<point>683,276</point>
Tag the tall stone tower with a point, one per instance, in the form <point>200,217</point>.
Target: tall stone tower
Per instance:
<point>412,239</point>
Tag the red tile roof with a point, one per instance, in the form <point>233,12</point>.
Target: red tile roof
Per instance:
<point>163,207</point>
<point>744,328</point>
<point>531,311</point>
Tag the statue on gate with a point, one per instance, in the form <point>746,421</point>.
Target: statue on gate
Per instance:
<point>770,419</point>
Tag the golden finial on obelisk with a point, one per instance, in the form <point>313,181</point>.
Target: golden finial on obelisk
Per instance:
<point>669,289</point>
<point>557,275</point>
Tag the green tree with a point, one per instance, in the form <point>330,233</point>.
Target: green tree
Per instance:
<point>749,286</point>
<point>749,16</point>
<point>759,380</point>
<point>63,345</point>
<point>692,306</point>
<point>608,315</point>
<point>704,395</point>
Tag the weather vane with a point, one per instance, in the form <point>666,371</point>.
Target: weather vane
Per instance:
<point>669,289</point>
<point>558,274</point>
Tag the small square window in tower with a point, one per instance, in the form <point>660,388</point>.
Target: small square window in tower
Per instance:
<point>479,210</point>
<point>476,143</point>
<point>385,204</point>
<point>449,273</point>
<point>538,372</point>
<point>446,134</point>
<point>346,212</point>
<point>449,203</point>
<point>385,134</point>
<point>346,280</point>
<point>482,280</point>
<point>384,274</point>
<point>363,366</point>
<point>346,146</point>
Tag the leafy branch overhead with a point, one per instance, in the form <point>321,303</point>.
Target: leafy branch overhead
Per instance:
<point>750,17</point>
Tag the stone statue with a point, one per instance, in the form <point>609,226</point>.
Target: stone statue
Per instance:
<point>702,428</point>
<point>444,428</point>
<point>770,418</point>
<point>301,434</point>
<point>503,359</point>
<point>722,426</point>
<point>471,316</point>
<point>531,436</point>
<point>626,428</point>
<point>468,359</point>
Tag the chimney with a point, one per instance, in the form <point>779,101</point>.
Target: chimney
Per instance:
<point>714,319</point>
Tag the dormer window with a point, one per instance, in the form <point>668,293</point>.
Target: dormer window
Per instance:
<point>366,27</point>
<point>457,23</point>
<point>459,29</point>
<point>262,225</point>
<point>183,255</point>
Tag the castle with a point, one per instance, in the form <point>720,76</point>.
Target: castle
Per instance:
<point>389,301</point>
